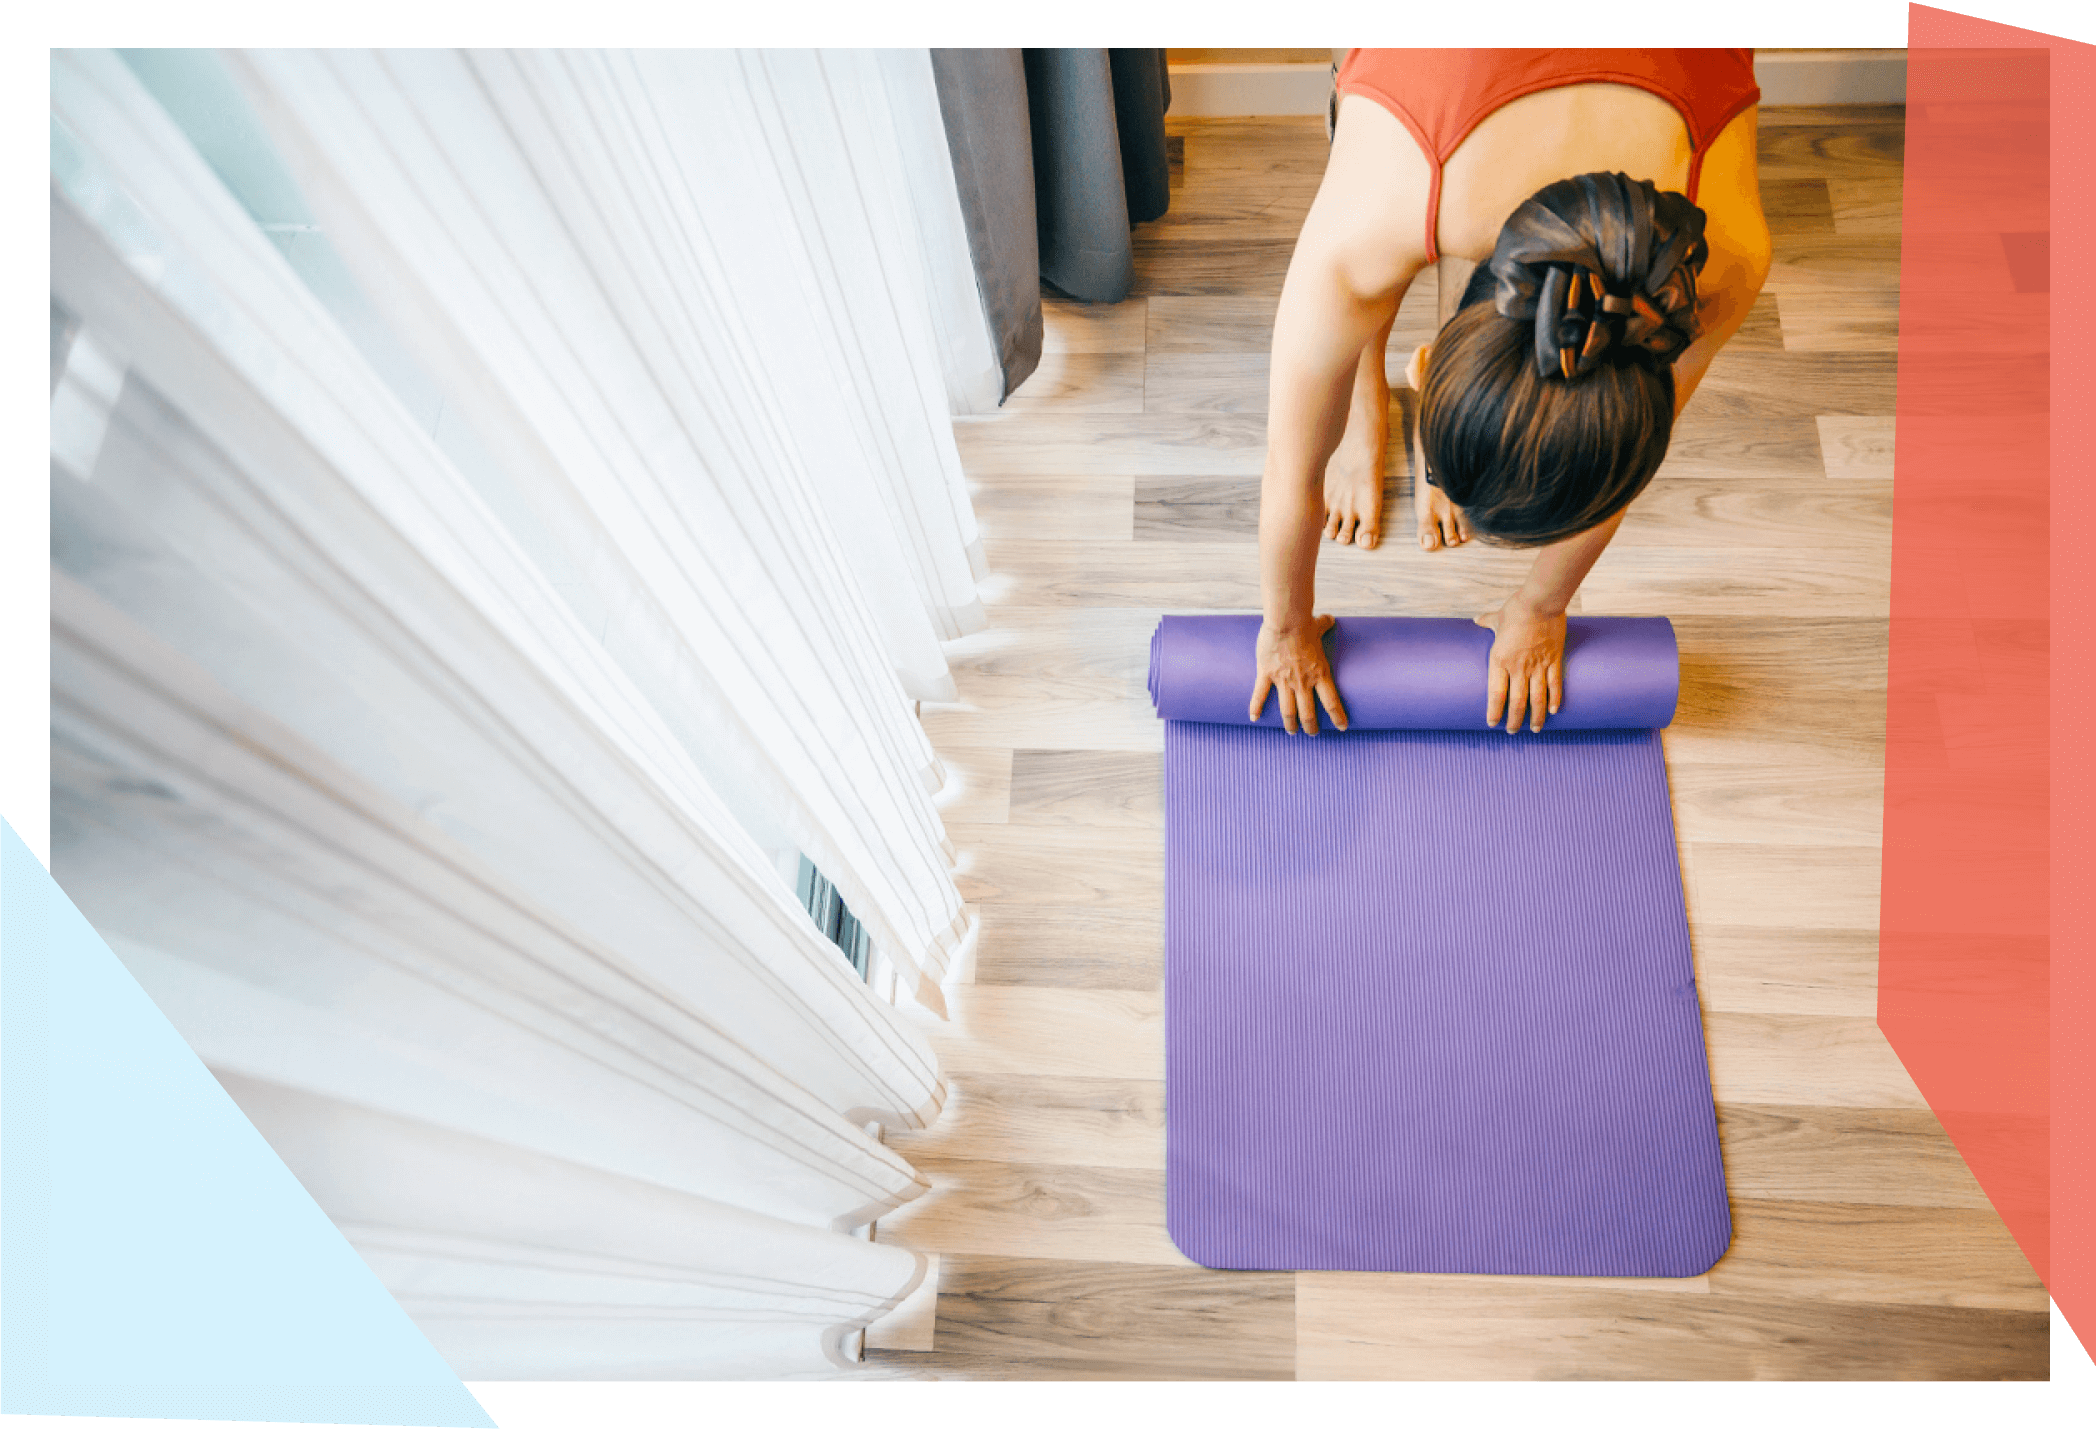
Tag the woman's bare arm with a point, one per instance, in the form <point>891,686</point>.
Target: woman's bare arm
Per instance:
<point>1346,278</point>
<point>1531,627</point>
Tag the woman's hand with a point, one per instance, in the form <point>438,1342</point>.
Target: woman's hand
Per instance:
<point>1292,662</point>
<point>1523,668</point>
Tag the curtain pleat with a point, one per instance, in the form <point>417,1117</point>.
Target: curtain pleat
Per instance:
<point>580,249</point>
<point>433,873</point>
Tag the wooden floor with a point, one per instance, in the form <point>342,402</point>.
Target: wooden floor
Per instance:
<point>1120,483</point>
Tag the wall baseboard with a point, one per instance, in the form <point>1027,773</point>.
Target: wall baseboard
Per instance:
<point>1785,76</point>
<point>1833,76</point>
<point>1228,90</point>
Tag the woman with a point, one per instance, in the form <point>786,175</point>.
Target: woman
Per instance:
<point>1610,200</point>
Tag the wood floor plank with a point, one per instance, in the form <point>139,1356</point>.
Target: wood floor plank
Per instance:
<point>1227,382</point>
<point>1866,205</point>
<point>1073,723</point>
<point>1232,323</point>
<point>1257,150</point>
<point>1042,863</point>
<point>1775,116</point>
<point>1085,506</point>
<point>1061,945</point>
<point>1727,580</point>
<point>1793,1060</point>
<point>1069,326</point>
<point>1775,885</point>
<point>1213,202</point>
<point>1748,513</point>
<point>1811,268</point>
<point>1223,508</point>
<point>1007,1317</point>
<point>1856,447</point>
<point>1726,803</point>
<point>1196,508</point>
<point>1747,384</point>
<point>1386,1327</point>
<point>978,787</point>
<point>1397,578</point>
<point>1050,443</point>
<point>1711,441</point>
<point>1067,381</point>
<point>1098,653</point>
<point>1170,265</point>
<point>1884,1156</point>
<point>1043,1210</point>
<point>1782,693</point>
<point>1052,1032</point>
<point>1002,1367</point>
<point>1826,972</point>
<point>1760,331</point>
<point>1091,788</point>
<point>1797,205</point>
<point>1828,151</point>
<point>1066,679</point>
<point>1077,1121</point>
<point>1911,1255</point>
<point>1842,321</point>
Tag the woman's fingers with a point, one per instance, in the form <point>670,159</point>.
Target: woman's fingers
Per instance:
<point>1552,688</point>
<point>1330,696</point>
<point>1537,701</point>
<point>1286,704</point>
<point>1519,696</point>
<point>1262,685</point>
<point>1497,693</point>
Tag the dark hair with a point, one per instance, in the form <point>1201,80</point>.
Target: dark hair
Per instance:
<point>1547,410</point>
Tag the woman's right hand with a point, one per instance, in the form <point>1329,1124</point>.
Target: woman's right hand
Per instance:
<point>1292,662</point>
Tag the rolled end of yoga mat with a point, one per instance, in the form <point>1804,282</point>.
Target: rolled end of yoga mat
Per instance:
<point>1417,672</point>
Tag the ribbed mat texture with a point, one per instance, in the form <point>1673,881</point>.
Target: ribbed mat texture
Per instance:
<point>1430,1006</point>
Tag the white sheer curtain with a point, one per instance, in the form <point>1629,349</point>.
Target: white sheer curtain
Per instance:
<point>969,357</point>
<point>597,257</point>
<point>430,872</point>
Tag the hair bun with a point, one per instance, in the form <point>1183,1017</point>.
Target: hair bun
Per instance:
<point>1605,268</point>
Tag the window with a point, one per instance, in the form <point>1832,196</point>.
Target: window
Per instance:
<point>833,918</point>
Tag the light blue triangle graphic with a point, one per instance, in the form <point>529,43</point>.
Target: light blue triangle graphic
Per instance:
<point>156,1259</point>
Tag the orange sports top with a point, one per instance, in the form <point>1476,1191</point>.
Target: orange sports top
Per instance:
<point>1442,95</point>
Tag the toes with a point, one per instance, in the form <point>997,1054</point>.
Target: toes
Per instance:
<point>1348,529</point>
<point>1333,523</point>
<point>1366,535</point>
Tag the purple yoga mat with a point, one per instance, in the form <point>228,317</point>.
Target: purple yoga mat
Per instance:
<point>1413,672</point>
<point>1429,996</point>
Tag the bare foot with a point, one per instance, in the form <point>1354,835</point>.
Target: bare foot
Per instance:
<point>1355,475</point>
<point>1437,519</point>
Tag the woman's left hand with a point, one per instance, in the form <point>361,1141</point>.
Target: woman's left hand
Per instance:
<point>1523,669</point>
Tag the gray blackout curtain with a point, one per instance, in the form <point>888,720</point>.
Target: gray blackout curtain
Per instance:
<point>1057,153</point>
